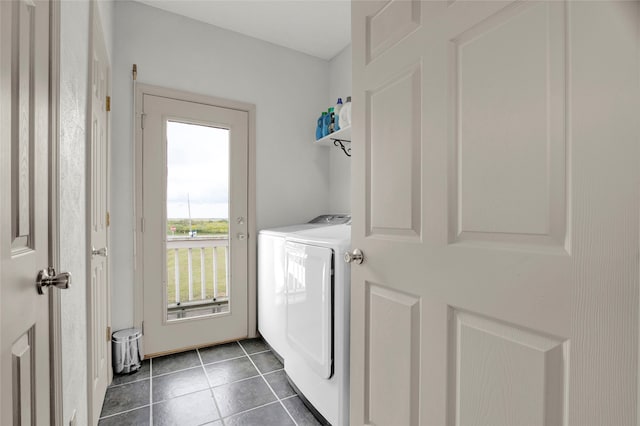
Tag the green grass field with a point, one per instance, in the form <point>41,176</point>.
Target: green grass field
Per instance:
<point>183,264</point>
<point>201,226</point>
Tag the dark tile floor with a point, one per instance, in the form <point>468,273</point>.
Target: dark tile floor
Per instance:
<point>239,383</point>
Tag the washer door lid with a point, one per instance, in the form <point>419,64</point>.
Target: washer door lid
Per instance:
<point>308,284</point>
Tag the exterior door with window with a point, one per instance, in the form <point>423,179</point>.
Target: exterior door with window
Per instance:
<point>194,223</point>
<point>496,201</point>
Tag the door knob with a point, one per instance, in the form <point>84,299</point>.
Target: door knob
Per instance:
<point>48,277</point>
<point>104,252</point>
<point>241,236</point>
<point>354,257</point>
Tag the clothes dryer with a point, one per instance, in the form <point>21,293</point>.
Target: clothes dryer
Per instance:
<point>317,298</point>
<point>271,286</point>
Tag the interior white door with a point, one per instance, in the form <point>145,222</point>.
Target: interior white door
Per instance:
<point>24,213</point>
<point>496,202</point>
<point>168,322</point>
<point>98,290</point>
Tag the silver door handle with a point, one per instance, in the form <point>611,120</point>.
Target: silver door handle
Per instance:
<point>356,257</point>
<point>48,277</point>
<point>104,252</point>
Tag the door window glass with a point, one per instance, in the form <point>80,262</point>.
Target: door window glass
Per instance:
<point>197,228</point>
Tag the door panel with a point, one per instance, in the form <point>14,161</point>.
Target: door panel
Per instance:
<point>390,24</point>
<point>192,256</point>
<point>489,354</point>
<point>24,165</point>
<point>393,321</point>
<point>521,197</point>
<point>498,213</point>
<point>392,212</point>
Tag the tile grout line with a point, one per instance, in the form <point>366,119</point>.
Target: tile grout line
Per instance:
<point>124,412</point>
<point>128,383</point>
<point>178,371</point>
<point>268,385</point>
<point>275,371</point>
<point>194,366</point>
<point>204,370</point>
<point>259,352</point>
<point>235,381</point>
<point>252,409</point>
<point>224,360</point>
<point>181,395</point>
<point>150,391</point>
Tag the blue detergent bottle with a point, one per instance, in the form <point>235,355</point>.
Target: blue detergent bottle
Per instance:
<point>319,126</point>
<point>326,122</point>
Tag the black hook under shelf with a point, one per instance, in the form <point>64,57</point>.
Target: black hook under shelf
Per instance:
<point>340,143</point>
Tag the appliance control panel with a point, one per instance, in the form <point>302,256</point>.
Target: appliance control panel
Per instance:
<point>332,219</point>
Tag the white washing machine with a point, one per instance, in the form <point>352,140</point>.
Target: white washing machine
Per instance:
<point>271,285</point>
<point>317,299</point>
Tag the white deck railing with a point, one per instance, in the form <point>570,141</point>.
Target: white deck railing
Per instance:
<point>197,246</point>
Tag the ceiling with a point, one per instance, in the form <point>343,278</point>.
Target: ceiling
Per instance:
<point>320,28</point>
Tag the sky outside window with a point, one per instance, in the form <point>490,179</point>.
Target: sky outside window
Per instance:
<point>197,168</point>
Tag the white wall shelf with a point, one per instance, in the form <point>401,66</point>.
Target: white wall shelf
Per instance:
<point>341,138</point>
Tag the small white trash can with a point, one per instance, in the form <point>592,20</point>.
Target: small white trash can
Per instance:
<point>127,350</point>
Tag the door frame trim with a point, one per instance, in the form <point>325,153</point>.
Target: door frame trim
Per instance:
<point>55,308</point>
<point>250,109</point>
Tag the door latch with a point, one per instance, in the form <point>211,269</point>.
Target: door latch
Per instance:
<point>104,252</point>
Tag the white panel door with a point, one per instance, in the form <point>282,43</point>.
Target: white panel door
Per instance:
<point>195,285</point>
<point>495,176</point>
<point>24,215</point>
<point>98,290</point>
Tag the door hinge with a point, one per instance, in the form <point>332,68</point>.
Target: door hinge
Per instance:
<point>108,219</point>
<point>108,334</point>
<point>142,327</point>
<point>108,103</point>
<point>142,224</point>
<point>142,116</point>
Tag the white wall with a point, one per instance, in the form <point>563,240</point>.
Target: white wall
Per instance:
<point>106,10</point>
<point>339,163</point>
<point>74,62</point>
<point>287,87</point>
